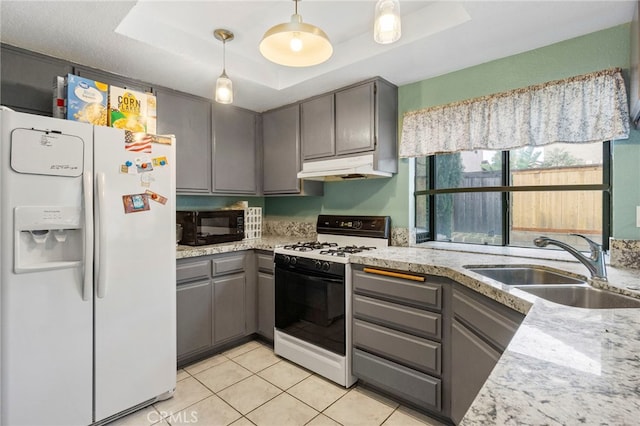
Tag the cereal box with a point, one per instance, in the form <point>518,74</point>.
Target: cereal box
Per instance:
<point>127,109</point>
<point>152,115</point>
<point>86,100</point>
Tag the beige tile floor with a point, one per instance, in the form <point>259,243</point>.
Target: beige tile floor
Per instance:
<point>250,385</point>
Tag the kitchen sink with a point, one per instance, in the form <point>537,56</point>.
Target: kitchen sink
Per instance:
<point>524,275</point>
<point>584,297</point>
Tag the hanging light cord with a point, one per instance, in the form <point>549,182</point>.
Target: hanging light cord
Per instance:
<point>224,56</point>
<point>296,2</point>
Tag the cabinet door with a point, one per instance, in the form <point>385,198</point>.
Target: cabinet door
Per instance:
<point>281,145</point>
<point>27,80</point>
<point>266,305</point>
<point>317,128</point>
<point>355,131</point>
<point>471,363</point>
<point>194,303</point>
<point>229,309</point>
<point>234,150</point>
<point>112,79</point>
<point>189,118</point>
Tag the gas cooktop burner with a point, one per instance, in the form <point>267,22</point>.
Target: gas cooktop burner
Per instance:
<point>309,246</point>
<point>343,251</point>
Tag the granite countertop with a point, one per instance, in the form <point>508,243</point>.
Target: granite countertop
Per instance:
<point>264,243</point>
<point>564,365</point>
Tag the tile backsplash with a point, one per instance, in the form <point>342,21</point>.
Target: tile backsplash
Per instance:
<point>624,253</point>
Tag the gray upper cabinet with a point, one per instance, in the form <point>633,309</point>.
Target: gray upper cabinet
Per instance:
<point>234,150</point>
<point>361,119</point>
<point>189,118</point>
<point>27,80</point>
<point>355,123</point>
<point>318,127</point>
<point>112,79</point>
<point>281,150</point>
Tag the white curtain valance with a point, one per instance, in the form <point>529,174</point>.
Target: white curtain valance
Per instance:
<point>586,108</point>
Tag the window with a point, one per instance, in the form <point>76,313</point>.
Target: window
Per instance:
<point>511,197</point>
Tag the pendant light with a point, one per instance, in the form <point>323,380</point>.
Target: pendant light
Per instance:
<point>224,86</point>
<point>387,27</point>
<point>295,43</point>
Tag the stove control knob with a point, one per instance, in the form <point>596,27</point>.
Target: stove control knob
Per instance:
<point>325,266</point>
<point>293,260</point>
<point>286,259</point>
<point>317,264</point>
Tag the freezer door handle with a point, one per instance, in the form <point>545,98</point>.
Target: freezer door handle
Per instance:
<point>101,287</point>
<point>87,276</point>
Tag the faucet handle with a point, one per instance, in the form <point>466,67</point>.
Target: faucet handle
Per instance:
<point>595,247</point>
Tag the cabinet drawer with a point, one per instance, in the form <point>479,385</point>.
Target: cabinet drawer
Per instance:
<point>192,270</point>
<point>409,350</point>
<point>405,383</point>
<point>496,323</point>
<point>415,293</point>
<point>228,265</point>
<point>265,262</point>
<point>405,318</point>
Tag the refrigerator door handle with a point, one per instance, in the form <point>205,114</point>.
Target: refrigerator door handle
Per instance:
<point>87,276</point>
<point>102,252</point>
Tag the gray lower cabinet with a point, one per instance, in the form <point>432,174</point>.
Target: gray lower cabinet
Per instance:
<point>234,150</point>
<point>398,336</point>
<point>266,295</point>
<point>189,118</point>
<point>215,302</point>
<point>27,80</point>
<point>194,306</point>
<point>480,331</point>
<point>229,308</point>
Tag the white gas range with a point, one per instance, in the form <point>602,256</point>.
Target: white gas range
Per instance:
<point>313,293</point>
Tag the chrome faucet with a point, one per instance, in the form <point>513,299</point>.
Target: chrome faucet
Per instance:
<point>594,263</point>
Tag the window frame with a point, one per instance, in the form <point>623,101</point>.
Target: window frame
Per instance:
<point>506,189</point>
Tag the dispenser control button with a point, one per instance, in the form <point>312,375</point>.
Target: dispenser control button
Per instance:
<point>128,164</point>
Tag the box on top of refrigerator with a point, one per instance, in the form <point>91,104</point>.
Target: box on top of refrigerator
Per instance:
<point>127,109</point>
<point>86,100</point>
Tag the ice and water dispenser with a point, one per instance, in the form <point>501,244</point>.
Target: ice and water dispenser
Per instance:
<point>49,170</point>
<point>47,238</point>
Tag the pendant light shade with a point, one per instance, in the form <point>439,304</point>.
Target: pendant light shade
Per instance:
<point>224,85</point>
<point>387,28</point>
<point>295,43</point>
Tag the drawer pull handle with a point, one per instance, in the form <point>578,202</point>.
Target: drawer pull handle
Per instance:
<point>393,274</point>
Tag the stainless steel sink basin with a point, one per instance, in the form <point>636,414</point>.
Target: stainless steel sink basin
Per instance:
<point>524,275</point>
<point>584,297</point>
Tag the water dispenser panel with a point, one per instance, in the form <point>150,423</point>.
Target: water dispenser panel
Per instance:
<point>47,237</point>
<point>46,153</point>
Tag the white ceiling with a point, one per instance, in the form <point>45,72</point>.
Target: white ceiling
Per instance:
<point>171,43</point>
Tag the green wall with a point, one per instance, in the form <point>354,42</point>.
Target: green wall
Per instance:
<point>596,51</point>
<point>203,202</point>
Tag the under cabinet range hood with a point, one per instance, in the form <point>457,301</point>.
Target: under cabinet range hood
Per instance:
<point>339,169</point>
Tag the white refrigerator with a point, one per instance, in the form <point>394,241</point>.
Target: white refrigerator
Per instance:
<point>87,271</point>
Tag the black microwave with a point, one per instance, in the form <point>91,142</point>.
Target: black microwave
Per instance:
<point>210,227</point>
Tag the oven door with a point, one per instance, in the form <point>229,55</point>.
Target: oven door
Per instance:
<point>310,305</point>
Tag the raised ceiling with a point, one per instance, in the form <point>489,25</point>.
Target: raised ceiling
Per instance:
<point>171,43</point>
